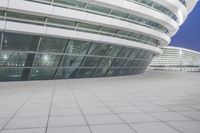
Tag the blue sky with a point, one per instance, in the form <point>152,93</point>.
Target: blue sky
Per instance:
<point>188,35</point>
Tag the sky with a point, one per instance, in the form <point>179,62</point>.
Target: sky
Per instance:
<point>188,35</point>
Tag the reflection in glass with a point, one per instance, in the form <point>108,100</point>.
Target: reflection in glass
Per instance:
<point>19,59</point>
<point>100,72</point>
<point>50,44</point>
<point>42,73</point>
<point>44,60</point>
<point>74,3</point>
<point>112,72</point>
<point>129,71</point>
<point>78,47</point>
<point>98,49</point>
<point>106,62</point>
<point>122,71</point>
<point>135,53</point>
<point>16,59</point>
<point>114,50</point>
<point>10,74</point>
<point>128,63</point>
<point>0,35</point>
<point>84,73</point>
<point>118,62</point>
<point>2,15</point>
<point>12,41</point>
<point>91,62</point>
<point>125,52</point>
<point>27,18</point>
<point>66,73</point>
<point>135,63</point>
<point>72,61</point>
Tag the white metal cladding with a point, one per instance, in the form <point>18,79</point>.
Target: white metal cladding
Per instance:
<point>55,32</point>
<point>40,9</point>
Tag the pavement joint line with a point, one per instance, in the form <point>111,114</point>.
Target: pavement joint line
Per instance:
<point>49,113</point>
<point>28,97</point>
<point>88,125</point>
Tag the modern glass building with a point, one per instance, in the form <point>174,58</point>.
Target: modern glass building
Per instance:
<point>176,59</point>
<point>61,39</point>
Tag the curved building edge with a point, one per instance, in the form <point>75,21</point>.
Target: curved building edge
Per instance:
<point>56,39</point>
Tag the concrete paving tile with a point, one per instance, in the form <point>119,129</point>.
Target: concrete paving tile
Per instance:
<point>155,127</point>
<point>120,128</point>
<point>66,121</point>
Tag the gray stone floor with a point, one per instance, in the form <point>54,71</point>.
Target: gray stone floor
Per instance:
<point>154,102</point>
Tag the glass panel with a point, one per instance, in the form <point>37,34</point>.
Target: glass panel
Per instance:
<point>98,9</point>
<point>141,55</point>
<point>91,62</point>
<point>78,5</point>
<point>73,3</point>
<point>10,74</point>
<point>16,59</point>
<point>84,73</point>
<point>22,42</point>
<point>109,30</point>
<point>50,44</point>
<point>122,71</point>
<point>124,33</point>
<point>156,6</point>
<point>42,73</point>
<point>72,61</point>
<point>106,62</point>
<point>66,73</point>
<point>25,16</point>
<point>135,63</point>
<point>100,72</point>
<point>61,23</point>
<point>1,15</point>
<point>125,52</point>
<point>135,53</point>
<point>112,72</point>
<point>128,63</point>
<point>119,14</point>
<point>78,47</point>
<point>114,51</point>
<point>129,71</point>
<point>118,62</point>
<point>0,37</point>
<point>88,26</point>
<point>44,60</point>
<point>98,49</point>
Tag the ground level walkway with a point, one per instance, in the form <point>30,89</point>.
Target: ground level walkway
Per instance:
<point>154,102</point>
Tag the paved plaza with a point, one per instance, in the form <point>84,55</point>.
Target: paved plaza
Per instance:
<point>154,102</point>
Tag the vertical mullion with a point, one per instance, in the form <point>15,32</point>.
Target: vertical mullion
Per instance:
<point>100,61</point>
<point>121,66</point>
<point>85,56</point>
<point>37,49</point>
<point>112,62</point>
<point>1,43</point>
<point>59,64</point>
<point>2,36</point>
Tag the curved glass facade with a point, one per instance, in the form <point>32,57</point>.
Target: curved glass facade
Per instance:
<point>183,2</point>
<point>153,5</point>
<point>31,57</point>
<point>79,26</point>
<point>103,11</point>
<point>65,39</point>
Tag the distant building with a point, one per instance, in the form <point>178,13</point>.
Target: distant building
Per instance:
<point>176,59</point>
